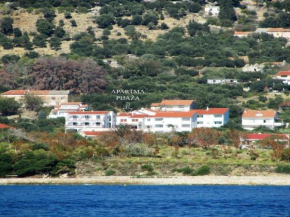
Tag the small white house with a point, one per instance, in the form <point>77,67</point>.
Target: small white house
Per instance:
<point>90,121</point>
<point>222,81</point>
<point>211,10</point>
<point>252,119</point>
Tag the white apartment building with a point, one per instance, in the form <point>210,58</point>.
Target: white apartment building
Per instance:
<point>174,105</point>
<point>90,121</point>
<point>159,121</point>
<point>64,108</point>
<point>180,121</point>
<point>252,119</point>
<point>212,117</point>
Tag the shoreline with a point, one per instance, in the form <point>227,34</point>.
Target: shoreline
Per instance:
<point>175,180</point>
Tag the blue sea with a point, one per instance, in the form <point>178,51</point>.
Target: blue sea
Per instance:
<point>137,201</point>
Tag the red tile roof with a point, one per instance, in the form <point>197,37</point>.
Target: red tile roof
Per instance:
<point>4,126</point>
<point>23,92</point>
<point>281,73</point>
<point>95,133</point>
<point>88,112</point>
<point>241,33</point>
<point>286,104</point>
<point>259,114</point>
<point>173,102</point>
<point>264,136</point>
<point>278,30</point>
<point>211,111</point>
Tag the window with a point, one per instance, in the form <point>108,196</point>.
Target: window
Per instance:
<point>200,116</point>
<point>98,116</point>
<point>158,119</point>
<point>217,122</point>
<point>62,97</point>
<point>185,119</point>
<point>87,123</point>
<point>75,123</point>
<point>87,117</point>
<point>98,123</point>
<point>148,119</point>
<point>158,125</point>
<point>134,120</point>
<point>75,117</point>
<point>52,98</point>
<point>181,106</point>
<point>217,116</point>
<point>264,121</point>
<point>185,125</point>
<point>200,122</point>
<point>123,120</point>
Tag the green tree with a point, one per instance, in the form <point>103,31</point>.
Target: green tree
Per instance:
<point>59,32</point>
<point>227,11</point>
<point>105,20</point>
<point>39,41</point>
<point>32,102</point>
<point>55,43</point>
<point>8,106</point>
<point>7,25</point>
<point>44,27</point>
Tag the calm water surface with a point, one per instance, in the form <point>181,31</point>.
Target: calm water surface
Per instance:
<point>137,201</point>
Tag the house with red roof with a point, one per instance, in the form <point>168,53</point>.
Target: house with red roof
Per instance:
<point>252,119</point>
<point>212,117</point>
<point>242,34</point>
<point>279,32</point>
<point>94,134</point>
<point>79,121</point>
<point>64,108</point>
<point>49,97</point>
<point>174,105</point>
<point>254,138</point>
<point>283,75</point>
<point>4,126</point>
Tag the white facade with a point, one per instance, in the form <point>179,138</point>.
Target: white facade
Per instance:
<point>252,119</point>
<point>210,10</point>
<point>212,119</point>
<point>63,109</point>
<point>222,81</point>
<point>253,68</point>
<point>168,121</point>
<point>90,121</point>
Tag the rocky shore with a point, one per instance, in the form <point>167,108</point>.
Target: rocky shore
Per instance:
<point>178,180</point>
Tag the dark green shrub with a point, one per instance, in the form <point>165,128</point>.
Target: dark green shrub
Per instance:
<point>283,169</point>
<point>286,154</point>
<point>6,26</point>
<point>67,15</point>
<point>203,170</point>
<point>39,41</point>
<point>55,43</point>
<point>73,23</point>
<point>147,167</point>
<point>45,27</point>
<point>110,172</point>
<point>10,58</point>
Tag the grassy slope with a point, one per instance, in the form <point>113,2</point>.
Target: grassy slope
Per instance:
<point>227,162</point>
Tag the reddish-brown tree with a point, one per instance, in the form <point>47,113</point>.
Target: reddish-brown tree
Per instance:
<point>204,137</point>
